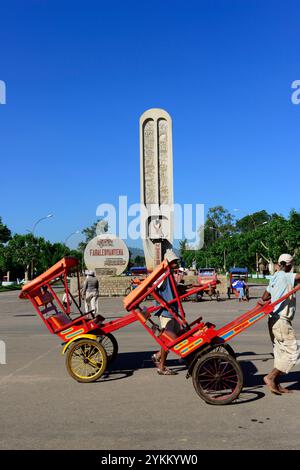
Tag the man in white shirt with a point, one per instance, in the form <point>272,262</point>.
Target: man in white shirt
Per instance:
<point>285,346</point>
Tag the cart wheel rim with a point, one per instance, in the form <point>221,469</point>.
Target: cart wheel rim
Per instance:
<point>87,360</point>
<point>110,345</point>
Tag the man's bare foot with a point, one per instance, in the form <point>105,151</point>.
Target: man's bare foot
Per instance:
<point>284,390</point>
<point>271,385</point>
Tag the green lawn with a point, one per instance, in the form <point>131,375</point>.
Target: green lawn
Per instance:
<point>258,281</point>
<point>9,288</point>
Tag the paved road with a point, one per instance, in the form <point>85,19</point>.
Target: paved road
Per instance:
<point>133,407</point>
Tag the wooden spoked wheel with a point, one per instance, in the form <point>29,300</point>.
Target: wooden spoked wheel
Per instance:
<point>217,378</point>
<point>86,360</point>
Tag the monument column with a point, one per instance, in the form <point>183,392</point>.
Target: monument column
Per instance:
<point>156,175</point>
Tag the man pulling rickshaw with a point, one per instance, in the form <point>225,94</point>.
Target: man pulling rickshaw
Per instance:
<point>285,345</point>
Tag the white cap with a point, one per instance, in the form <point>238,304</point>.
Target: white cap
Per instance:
<point>288,259</point>
<point>170,256</point>
<point>90,273</point>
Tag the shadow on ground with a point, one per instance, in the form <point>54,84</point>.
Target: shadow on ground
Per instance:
<point>126,364</point>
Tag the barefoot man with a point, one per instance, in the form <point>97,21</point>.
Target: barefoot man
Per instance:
<point>285,347</point>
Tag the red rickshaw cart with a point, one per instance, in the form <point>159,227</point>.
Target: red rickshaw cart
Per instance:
<point>89,346</point>
<point>204,276</point>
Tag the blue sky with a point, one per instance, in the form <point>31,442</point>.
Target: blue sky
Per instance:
<point>80,74</point>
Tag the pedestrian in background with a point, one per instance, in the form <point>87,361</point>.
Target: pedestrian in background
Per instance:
<point>240,286</point>
<point>90,292</point>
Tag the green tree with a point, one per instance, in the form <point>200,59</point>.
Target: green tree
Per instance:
<point>5,233</point>
<point>139,260</point>
<point>23,250</point>
<point>244,248</point>
<point>5,260</point>
<point>251,221</point>
<point>91,232</point>
<point>51,253</point>
<point>219,223</point>
<point>183,246</point>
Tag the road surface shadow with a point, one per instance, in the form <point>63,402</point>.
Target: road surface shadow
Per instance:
<point>126,364</point>
<point>251,379</point>
<point>263,357</point>
<point>25,315</point>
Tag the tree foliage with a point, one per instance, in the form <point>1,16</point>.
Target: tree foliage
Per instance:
<point>241,245</point>
<point>92,231</point>
<point>5,233</point>
<point>219,223</point>
<point>252,221</point>
<point>31,255</point>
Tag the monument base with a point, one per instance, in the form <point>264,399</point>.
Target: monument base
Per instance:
<point>115,286</point>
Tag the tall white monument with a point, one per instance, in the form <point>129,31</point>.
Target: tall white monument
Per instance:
<point>156,167</point>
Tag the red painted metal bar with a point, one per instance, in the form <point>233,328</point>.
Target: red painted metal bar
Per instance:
<point>166,305</point>
<point>55,296</point>
<point>76,304</point>
<point>177,298</point>
<point>78,286</point>
<point>238,325</point>
<point>67,293</point>
<point>119,323</point>
<point>198,289</point>
<point>251,317</point>
<point>191,292</point>
<point>150,290</point>
<point>40,314</point>
<point>156,338</point>
<point>189,333</point>
<point>198,320</point>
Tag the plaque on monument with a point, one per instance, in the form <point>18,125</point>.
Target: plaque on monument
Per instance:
<point>106,255</point>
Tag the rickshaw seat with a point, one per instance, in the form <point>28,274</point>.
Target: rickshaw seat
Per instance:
<point>59,321</point>
<point>142,288</point>
<point>50,309</point>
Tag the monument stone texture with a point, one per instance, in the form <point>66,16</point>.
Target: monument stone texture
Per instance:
<point>156,174</point>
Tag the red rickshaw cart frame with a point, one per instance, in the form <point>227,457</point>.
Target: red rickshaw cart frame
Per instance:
<point>211,290</point>
<point>89,344</point>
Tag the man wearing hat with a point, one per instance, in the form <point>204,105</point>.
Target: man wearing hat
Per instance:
<point>167,321</point>
<point>91,292</point>
<point>285,347</point>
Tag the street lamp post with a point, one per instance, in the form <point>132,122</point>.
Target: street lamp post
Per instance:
<point>38,221</point>
<point>71,234</point>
